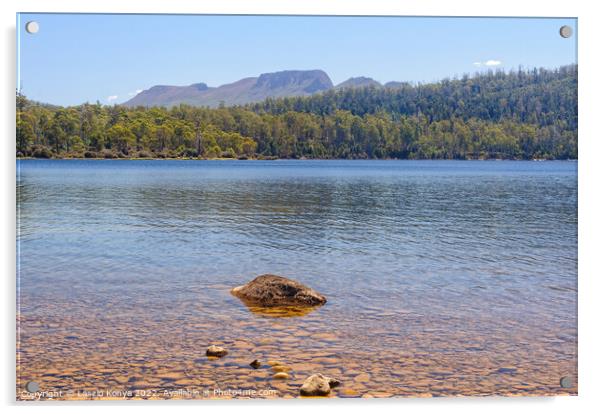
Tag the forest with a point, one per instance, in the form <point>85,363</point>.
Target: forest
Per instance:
<point>522,114</point>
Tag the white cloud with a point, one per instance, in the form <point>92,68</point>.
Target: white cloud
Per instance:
<point>492,62</point>
<point>136,92</point>
<point>112,98</point>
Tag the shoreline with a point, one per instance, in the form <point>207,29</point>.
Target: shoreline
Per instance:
<point>290,159</point>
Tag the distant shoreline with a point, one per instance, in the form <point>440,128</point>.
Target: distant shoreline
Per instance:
<point>290,159</point>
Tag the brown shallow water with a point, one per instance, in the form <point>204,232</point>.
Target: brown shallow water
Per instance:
<point>119,355</point>
<point>442,278</point>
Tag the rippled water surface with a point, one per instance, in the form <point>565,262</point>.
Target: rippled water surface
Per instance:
<point>442,277</point>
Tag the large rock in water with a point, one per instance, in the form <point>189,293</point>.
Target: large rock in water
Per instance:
<point>318,385</point>
<point>216,351</point>
<point>272,290</point>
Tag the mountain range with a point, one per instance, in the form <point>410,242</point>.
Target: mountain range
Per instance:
<point>247,90</point>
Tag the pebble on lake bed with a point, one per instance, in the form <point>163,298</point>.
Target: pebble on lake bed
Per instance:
<point>216,351</point>
<point>318,385</point>
<point>281,368</point>
<point>281,375</point>
<point>255,364</point>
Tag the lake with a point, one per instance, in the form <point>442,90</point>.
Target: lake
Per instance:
<point>442,277</point>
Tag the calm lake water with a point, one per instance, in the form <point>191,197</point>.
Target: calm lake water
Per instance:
<point>442,277</point>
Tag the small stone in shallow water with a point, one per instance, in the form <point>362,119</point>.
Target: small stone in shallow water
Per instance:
<point>349,392</point>
<point>363,377</point>
<point>281,368</point>
<point>333,382</point>
<point>318,385</point>
<point>216,351</point>
<point>281,375</point>
<point>255,364</point>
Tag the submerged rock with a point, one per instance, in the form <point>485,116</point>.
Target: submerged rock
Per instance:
<point>318,385</point>
<point>271,291</point>
<point>216,351</point>
<point>281,368</point>
<point>255,364</point>
<point>281,375</point>
<point>333,382</point>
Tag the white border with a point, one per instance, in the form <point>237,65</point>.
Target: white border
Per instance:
<point>590,149</point>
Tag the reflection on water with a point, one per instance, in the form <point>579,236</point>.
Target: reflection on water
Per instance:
<point>279,311</point>
<point>442,278</point>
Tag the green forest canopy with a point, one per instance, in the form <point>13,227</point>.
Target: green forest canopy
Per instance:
<point>515,115</point>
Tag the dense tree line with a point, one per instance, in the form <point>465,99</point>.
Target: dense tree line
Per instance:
<point>539,96</point>
<point>517,115</point>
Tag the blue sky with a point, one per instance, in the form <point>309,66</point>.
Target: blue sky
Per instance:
<point>76,58</point>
